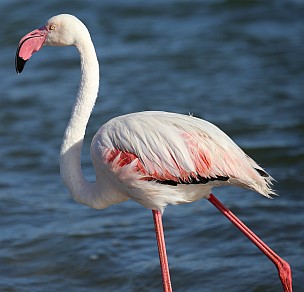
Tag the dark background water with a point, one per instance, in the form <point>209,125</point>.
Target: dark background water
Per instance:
<point>238,64</point>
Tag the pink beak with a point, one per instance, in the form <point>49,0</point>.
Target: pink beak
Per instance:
<point>28,45</point>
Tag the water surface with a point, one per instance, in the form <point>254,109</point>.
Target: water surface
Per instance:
<point>238,64</point>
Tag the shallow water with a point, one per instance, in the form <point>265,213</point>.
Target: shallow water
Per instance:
<point>237,64</point>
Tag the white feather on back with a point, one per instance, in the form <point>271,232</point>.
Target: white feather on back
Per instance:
<point>175,144</point>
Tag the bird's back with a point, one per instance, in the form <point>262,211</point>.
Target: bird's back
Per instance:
<point>170,152</point>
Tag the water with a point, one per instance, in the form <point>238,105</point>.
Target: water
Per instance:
<point>238,64</point>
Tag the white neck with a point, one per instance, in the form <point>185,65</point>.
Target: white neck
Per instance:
<point>70,154</point>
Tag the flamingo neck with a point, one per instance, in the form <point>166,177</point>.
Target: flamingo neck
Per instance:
<point>70,153</point>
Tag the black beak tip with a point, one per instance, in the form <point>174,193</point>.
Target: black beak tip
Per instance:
<point>19,64</point>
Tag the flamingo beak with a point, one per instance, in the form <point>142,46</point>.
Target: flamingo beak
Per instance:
<point>28,45</point>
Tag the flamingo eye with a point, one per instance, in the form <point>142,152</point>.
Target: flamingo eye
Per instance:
<point>52,27</point>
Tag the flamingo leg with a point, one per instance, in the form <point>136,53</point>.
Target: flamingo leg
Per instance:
<point>159,231</point>
<point>283,267</point>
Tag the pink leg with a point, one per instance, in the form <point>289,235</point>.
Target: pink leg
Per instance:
<point>282,266</point>
<point>159,231</point>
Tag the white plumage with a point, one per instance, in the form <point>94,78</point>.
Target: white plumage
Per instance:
<point>170,146</point>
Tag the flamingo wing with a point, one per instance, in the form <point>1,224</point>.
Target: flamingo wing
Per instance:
<point>173,149</point>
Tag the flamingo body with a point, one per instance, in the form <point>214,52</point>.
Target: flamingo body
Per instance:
<point>160,158</point>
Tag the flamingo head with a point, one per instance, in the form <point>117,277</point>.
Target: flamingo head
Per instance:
<point>60,30</point>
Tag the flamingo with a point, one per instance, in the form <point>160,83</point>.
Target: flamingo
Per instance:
<point>155,158</point>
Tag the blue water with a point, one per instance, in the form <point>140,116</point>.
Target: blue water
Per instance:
<point>238,64</point>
